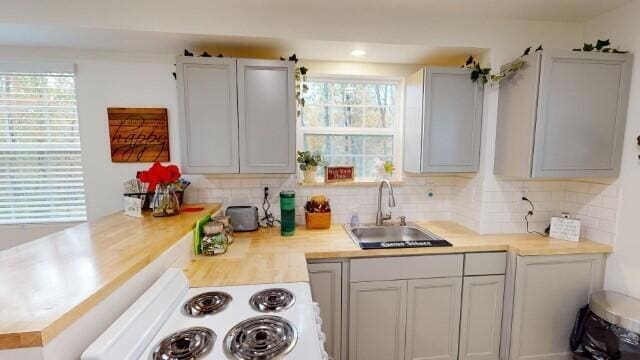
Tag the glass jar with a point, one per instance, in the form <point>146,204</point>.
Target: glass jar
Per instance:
<point>287,213</point>
<point>214,241</point>
<point>228,227</point>
<point>165,201</point>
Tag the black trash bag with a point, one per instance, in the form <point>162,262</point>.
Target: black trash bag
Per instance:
<point>593,338</point>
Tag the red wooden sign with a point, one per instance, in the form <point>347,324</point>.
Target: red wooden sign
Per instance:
<point>138,134</point>
<point>338,174</point>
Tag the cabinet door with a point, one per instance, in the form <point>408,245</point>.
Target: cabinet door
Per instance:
<point>266,108</point>
<point>433,318</point>
<point>452,121</point>
<point>326,289</point>
<point>481,317</point>
<point>549,291</point>
<point>377,317</point>
<point>207,98</point>
<point>583,98</point>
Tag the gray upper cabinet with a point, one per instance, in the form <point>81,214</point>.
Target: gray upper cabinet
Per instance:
<point>236,115</point>
<point>266,109</point>
<point>443,121</point>
<point>207,100</point>
<point>563,115</point>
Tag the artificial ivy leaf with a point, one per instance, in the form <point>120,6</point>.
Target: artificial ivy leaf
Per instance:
<point>283,59</point>
<point>475,75</point>
<point>539,48</point>
<point>602,43</point>
<point>469,60</point>
<point>305,87</point>
<point>302,102</point>
<point>187,53</point>
<point>174,75</point>
<point>220,55</point>
<point>616,51</point>
<point>587,47</point>
<point>606,50</point>
<point>486,70</point>
<point>293,58</point>
<point>205,54</point>
<point>303,70</point>
<point>526,51</point>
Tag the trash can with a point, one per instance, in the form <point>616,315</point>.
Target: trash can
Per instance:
<point>608,328</point>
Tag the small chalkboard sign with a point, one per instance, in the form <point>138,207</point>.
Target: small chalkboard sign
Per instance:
<point>338,174</point>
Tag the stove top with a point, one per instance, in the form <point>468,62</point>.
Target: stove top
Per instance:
<point>248,333</point>
<point>190,343</point>
<point>272,300</point>
<point>210,302</point>
<point>171,321</point>
<point>261,338</point>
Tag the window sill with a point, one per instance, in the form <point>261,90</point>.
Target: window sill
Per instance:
<point>349,183</point>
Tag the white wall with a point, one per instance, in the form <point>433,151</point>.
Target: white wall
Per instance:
<point>104,80</point>
<point>134,79</point>
<point>623,266</point>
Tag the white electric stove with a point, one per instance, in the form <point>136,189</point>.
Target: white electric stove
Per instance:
<point>171,321</point>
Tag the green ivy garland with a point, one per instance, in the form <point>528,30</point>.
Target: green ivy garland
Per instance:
<point>484,76</point>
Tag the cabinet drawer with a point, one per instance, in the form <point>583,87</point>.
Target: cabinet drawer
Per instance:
<point>491,263</point>
<point>406,267</point>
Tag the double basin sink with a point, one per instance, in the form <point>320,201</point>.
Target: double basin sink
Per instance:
<point>393,236</point>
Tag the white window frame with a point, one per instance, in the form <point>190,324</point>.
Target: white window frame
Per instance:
<point>55,69</point>
<point>395,131</point>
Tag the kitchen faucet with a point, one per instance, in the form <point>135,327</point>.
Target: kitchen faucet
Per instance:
<point>380,218</point>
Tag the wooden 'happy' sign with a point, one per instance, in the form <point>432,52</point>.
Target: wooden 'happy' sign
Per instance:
<point>138,134</point>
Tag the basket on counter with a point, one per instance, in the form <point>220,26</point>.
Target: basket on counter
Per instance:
<point>317,215</point>
<point>317,221</point>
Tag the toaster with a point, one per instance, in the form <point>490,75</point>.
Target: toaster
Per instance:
<point>243,218</point>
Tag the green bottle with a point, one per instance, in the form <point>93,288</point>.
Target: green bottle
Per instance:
<point>287,213</point>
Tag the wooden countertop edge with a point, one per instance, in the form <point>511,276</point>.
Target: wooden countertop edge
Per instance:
<point>39,338</point>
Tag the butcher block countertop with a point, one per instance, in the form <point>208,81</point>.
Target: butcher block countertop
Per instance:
<point>264,256</point>
<point>47,284</point>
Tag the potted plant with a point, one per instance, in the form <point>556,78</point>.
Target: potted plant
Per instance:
<point>309,163</point>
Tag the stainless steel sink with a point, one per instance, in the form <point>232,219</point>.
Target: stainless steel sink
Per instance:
<point>393,236</point>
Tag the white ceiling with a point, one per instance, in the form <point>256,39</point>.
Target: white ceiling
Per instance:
<point>545,10</point>
<point>231,46</point>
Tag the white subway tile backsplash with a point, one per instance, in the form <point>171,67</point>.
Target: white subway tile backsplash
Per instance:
<point>484,205</point>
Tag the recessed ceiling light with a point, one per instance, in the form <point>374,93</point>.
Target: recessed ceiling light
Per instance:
<point>358,52</point>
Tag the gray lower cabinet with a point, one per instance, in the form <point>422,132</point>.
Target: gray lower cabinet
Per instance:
<point>377,320</point>
<point>481,317</point>
<point>443,121</point>
<point>236,115</point>
<point>560,95</point>
<point>326,289</point>
<point>548,292</point>
<point>433,318</point>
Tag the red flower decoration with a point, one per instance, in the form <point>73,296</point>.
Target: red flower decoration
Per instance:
<point>159,174</point>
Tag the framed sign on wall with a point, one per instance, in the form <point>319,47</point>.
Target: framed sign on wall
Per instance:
<point>334,174</point>
<point>138,134</point>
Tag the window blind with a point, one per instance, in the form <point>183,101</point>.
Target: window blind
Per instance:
<point>41,177</point>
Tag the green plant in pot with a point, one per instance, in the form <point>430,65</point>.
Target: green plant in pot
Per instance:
<point>309,163</point>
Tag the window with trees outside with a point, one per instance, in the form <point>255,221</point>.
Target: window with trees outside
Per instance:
<point>352,121</point>
<point>41,178</point>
